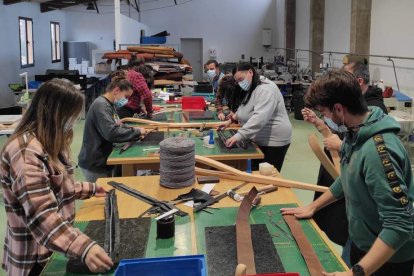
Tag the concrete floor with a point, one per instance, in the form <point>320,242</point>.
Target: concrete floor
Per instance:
<point>300,164</point>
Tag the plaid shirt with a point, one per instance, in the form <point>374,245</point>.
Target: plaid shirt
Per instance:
<point>141,93</point>
<point>40,207</point>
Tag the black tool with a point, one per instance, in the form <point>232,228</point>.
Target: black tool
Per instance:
<point>131,143</point>
<point>159,206</point>
<point>112,229</point>
<point>217,198</point>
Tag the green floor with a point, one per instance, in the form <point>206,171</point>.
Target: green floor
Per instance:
<point>300,164</point>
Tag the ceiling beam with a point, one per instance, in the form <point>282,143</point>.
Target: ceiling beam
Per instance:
<point>55,4</point>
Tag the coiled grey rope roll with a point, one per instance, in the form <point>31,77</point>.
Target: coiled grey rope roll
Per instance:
<point>177,161</point>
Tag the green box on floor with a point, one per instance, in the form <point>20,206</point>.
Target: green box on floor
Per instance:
<point>165,266</point>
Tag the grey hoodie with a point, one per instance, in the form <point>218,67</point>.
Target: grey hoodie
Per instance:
<point>264,118</point>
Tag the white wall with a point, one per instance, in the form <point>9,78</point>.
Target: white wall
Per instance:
<point>233,27</point>
<point>392,34</point>
<point>10,49</point>
<point>337,30</point>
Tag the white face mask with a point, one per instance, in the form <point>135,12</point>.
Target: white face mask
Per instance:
<point>211,73</point>
<point>244,84</point>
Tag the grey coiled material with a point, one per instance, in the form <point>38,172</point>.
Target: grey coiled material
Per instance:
<point>177,160</point>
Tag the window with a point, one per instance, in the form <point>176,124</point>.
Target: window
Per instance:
<point>26,42</point>
<point>55,38</point>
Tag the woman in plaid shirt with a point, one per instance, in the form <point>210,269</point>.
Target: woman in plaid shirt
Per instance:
<point>39,189</point>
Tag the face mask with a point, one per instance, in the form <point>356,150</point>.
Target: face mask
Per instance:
<point>211,73</point>
<point>244,84</point>
<point>121,102</point>
<point>332,125</point>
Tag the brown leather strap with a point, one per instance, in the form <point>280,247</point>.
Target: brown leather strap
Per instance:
<point>245,254</point>
<point>318,151</point>
<point>326,132</point>
<point>312,261</point>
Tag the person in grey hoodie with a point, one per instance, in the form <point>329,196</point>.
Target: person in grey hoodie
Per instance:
<point>102,129</point>
<point>262,116</point>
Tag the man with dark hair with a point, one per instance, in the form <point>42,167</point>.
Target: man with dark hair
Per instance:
<point>372,94</point>
<point>213,73</point>
<point>376,179</point>
<point>141,79</point>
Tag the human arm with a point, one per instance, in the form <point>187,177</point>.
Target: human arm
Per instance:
<point>333,142</point>
<point>308,211</point>
<point>309,116</point>
<point>140,85</point>
<point>263,102</point>
<point>111,130</point>
<point>34,191</point>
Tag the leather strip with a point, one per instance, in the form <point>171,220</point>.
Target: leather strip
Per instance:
<point>245,254</point>
<point>318,151</point>
<point>312,261</point>
<point>225,171</point>
<point>174,125</point>
<point>326,132</point>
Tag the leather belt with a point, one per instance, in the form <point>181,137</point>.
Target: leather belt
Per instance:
<point>245,254</point>
<point>312,261</point>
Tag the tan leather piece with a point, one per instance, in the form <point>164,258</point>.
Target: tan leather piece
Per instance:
<point>228,172</point>
<point>318,151</point>
<point>245,254</point>
<point>312,261</point>
<point>326,132</point>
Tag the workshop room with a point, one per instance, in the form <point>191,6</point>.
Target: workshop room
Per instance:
<point>195,137</point>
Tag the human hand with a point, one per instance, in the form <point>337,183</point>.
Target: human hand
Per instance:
<point>343,273</point>
<point>97,260</point>
<point>333,142</point>
<point>142,131</point>
<point>221,116</point>
<point>225,125</point>
<point>100,191</point>
<point>299,212</point>
<point>309,116</point>
<point>231,141</point>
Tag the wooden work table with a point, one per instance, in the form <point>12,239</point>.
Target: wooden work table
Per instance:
<point>188,232</point>
<point>140,157</point>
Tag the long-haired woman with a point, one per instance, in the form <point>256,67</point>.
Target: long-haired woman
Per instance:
<point>39,187</point>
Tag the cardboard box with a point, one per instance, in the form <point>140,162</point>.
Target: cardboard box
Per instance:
<point>102,67</point>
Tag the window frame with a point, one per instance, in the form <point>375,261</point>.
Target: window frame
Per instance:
<point>55,45</point>
<point>27,33</point>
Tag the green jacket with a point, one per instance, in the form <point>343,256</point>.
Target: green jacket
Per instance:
<point>373,208</point>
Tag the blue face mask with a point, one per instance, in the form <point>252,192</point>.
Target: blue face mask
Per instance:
<point>332,125</point>
<point>244,84</point>
<point>211,73</point>
<point>121,102</point>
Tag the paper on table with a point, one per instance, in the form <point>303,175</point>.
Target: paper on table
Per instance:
<point>206,188</point>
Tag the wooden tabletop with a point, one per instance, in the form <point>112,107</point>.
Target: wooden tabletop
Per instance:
<point>129,207</point>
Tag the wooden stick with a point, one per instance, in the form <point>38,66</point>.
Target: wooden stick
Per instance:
<point>318,151</point>
<point>232,173</point>
<point>174,125</point>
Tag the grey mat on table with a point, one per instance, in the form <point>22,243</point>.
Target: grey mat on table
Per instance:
<point>222,253</point>
<point>134,238</point>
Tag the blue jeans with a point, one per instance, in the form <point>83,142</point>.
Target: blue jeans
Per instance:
<point>92,176</point>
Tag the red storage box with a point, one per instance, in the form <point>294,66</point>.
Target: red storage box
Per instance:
<point>194,102</point>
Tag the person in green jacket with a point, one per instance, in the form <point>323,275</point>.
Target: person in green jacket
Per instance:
<point>376,179</point>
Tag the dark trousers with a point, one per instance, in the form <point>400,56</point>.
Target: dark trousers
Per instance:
<point>272,155</point>
<point>388,269</point>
